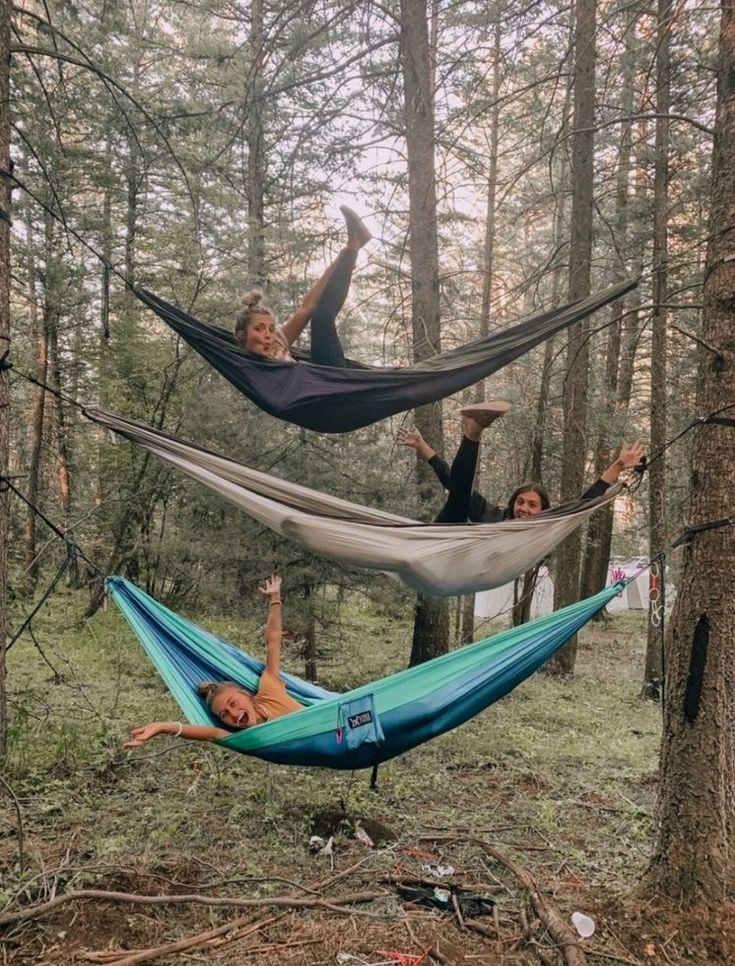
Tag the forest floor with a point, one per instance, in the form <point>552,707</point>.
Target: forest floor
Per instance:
<point>560,778</point>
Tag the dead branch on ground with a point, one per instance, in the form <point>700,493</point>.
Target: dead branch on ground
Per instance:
<point>559,930</point>
<point>336,904</point>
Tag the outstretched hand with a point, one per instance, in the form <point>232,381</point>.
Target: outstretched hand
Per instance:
<point>141,735</point>
<point>410,437</point>
<point>413,439</point>
<point>272,587</point>
<point>630,455</point>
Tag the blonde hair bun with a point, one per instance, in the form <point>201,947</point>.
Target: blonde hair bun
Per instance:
<point>251,301</point>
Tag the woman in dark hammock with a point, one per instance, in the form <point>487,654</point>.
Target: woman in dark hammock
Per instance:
<point>235,707</point>
<point>464,504</point>
<point>256,327</point>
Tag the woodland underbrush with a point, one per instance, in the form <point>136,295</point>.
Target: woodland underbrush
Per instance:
<point>558,781</point>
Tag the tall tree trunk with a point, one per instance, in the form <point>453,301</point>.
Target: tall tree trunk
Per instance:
<point>657,471</point>
<point>560,205</point>
<point>580,258</point>
<point>38,413</point>
<point>599,529</point>
<point>431,626</point>
<point>121,522</point>
<point>309,632</point>
<point>5,18</point>
<point>256,150</point>
<point>52,317</point>
<point>488,268</point>
<point>695,849</point>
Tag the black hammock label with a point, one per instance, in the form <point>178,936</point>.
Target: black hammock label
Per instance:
<point>358,720</point>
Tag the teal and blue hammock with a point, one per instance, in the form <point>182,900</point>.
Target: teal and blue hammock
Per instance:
<point>371,723</point>
<point>329,399</point>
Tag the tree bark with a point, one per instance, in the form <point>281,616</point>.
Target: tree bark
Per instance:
<point>657,471</point>
<point>256,150</point>
<point>695,849</point>
<point>5,201</point>
<point>580,257</point>
<point>38,412</point>
<point>599,530</point>
<point>431,625</point>
<point>488,268</point>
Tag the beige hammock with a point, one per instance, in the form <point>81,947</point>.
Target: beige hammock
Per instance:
<point>439,560</point>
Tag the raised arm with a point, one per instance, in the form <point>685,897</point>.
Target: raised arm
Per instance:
<point>273,625</point>
<point>175,728</point>
<point>414,440</point>
<point>630,455</point>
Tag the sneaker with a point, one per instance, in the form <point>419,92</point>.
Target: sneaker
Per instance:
<point>356,227</point>
<point>485,413</point>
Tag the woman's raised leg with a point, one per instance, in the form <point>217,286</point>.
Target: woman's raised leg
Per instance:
<point>456,509</point>
<point>326,349</point>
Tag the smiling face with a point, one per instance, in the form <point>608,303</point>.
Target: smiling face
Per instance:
<point>259,336</point>
<point>234,707</point>
<point>527,504</point>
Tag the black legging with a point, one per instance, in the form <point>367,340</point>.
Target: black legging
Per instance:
<point>457,506</point>
<point>326,349</point>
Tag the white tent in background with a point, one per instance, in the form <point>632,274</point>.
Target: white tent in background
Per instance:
<point>635,595</point>
<point>499,601</point>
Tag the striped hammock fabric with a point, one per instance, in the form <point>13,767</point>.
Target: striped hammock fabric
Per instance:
<point>371,723</point>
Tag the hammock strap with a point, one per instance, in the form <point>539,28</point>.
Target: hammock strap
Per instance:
<point>26,625</point>
<point>67,228</point>
<point>72,552</point>
<point>657,614</point>
<point>711,418</point>
<point>691,532</point>
<point>657,566</point>
<point>43,385</point>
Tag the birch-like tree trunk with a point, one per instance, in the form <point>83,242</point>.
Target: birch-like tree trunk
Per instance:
<point>431,626</point>
<point>580,257</point>
<point>695,849</point>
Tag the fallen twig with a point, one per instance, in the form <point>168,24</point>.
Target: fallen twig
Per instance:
<point>558,928</point>
<point>458,911</point>
<point>125,958</point>
<point>289,902</point>
<point>547,911</point>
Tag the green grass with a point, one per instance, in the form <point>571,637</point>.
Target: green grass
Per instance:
<point>564,769</point>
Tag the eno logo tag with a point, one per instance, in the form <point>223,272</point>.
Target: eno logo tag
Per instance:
<point>358,720</point>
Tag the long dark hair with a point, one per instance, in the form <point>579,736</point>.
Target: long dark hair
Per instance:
<point>529,488</point>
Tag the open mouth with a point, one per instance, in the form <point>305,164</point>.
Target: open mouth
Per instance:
<point>242,720</point>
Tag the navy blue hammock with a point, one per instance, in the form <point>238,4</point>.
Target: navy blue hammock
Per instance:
<point>329,399</point>
<point>362,727</point>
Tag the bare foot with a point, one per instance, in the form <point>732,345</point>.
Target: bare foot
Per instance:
<point>414,439</point>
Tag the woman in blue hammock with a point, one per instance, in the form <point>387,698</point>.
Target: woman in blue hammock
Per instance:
<point>256,327</point>
<point>464,504</point>
<point>235,707</point>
